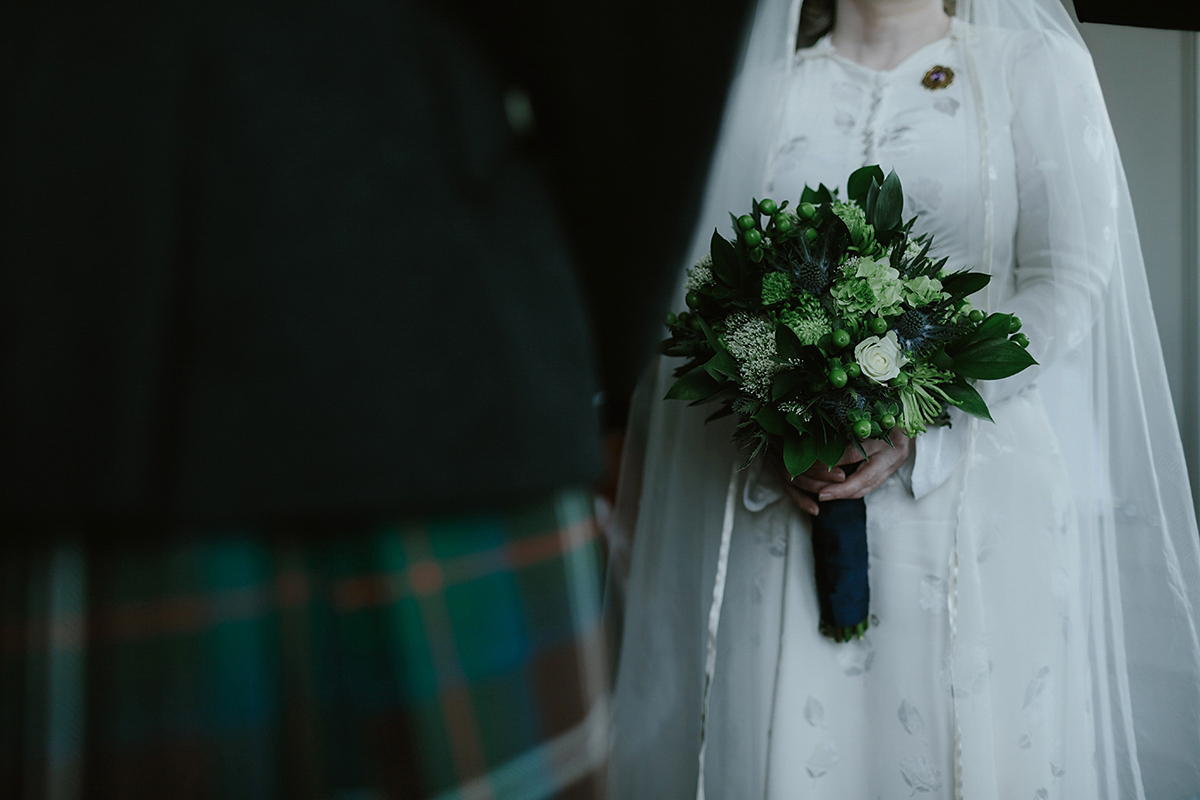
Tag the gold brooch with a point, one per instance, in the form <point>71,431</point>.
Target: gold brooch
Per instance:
<point>938,77</point>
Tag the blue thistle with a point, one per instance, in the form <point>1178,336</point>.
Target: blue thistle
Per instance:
<point>921,329</point>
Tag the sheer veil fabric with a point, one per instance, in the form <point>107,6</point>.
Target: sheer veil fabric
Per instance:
<point>698,680</point>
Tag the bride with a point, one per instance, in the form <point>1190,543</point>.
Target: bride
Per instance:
<point>1035,582</point>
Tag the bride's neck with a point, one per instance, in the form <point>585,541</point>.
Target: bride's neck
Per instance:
<point>881,33</point>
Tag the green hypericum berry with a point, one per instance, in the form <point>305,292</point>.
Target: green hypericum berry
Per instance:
<point>853,370</point>
<point>692,299</point>
<point>752,238</point>
<point>671,318</point>
<point>887,422</point>
<point>782,223</point>
<point>862,428</point>
<point>837,377</point>
<point>976,315</point>
<point>1015,324</point>
<point>841,338</point>
<point>810,234</point>
<point>767,205</point>
<point>756,255</point>
<point>1021,339</point>
<point>878,326</point>
<point>746,222</point>
<point>694,323</point>
<point>806,210</point>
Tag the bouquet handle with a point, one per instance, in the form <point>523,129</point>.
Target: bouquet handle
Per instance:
<point>839,541</point>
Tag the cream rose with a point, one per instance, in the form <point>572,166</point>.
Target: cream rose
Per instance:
<point>880,359</point>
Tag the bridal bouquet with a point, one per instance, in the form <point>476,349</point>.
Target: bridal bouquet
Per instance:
<point>828,325</point>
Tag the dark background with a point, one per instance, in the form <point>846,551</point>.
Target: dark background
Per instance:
<point>1177,14</point>
<point>627,98</point>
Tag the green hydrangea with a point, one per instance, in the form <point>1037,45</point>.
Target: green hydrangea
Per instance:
<point>807,318</point>
<point>869,286</point>
<point>923,290</point>
<point>861,234</point>
<point>776,287</point>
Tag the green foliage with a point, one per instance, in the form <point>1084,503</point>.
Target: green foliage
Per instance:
<point>763,306</point>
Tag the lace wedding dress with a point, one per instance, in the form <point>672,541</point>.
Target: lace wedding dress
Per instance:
<point>1003,660</point>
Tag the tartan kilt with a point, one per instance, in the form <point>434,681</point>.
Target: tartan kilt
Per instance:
<point>453,657</point>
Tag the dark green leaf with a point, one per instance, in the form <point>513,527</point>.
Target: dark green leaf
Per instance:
<point>994,327</point>
<point>796,421</point>
<point>809,195</point>
<point>859,183</point>
<point>799,453</point>
<point>771,420</point>
<point>872,201</point>
<point>724,411</point>
<point>724,260</point>
<point>695,385</point>
<point>787,343</point>
<point>992,359</point>
<point>709,335</point>
<point>783,383</point>
<point>722,364</point>
<point>823,195</point>
<point>831,445</point>
<point>890,204</point>
<point>962,284</point>
<point>963,395</point>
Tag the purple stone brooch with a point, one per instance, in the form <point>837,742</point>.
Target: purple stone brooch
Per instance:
<point>938,77</point>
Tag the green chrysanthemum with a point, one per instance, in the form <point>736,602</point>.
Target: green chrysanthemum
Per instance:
<point>776,287</point>
<point>861,234</point>
<point>869,286</point>
<point>807,318</point>
<point>923,291</point>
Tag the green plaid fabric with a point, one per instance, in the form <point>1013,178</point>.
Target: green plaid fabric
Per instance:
<point>446,658</point>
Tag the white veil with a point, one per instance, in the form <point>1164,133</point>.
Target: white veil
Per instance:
<point>1106,391</point>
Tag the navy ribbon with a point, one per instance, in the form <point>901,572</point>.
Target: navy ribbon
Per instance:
<point>839,541</point>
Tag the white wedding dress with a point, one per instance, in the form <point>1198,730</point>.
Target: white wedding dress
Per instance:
<point>991,669</point>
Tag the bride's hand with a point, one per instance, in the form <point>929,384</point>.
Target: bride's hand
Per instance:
<point>832,484</point>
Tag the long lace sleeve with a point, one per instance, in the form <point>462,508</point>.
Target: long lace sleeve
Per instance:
<point>1066,244</point>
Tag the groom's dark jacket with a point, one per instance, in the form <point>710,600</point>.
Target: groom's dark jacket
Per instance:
<point>276,258</point>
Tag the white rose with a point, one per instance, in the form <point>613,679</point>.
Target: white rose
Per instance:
<point>880,359</point>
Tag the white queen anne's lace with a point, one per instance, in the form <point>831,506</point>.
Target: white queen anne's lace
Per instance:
<point>751,340</point>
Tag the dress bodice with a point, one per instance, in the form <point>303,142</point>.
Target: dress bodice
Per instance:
<point>839,115</point>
